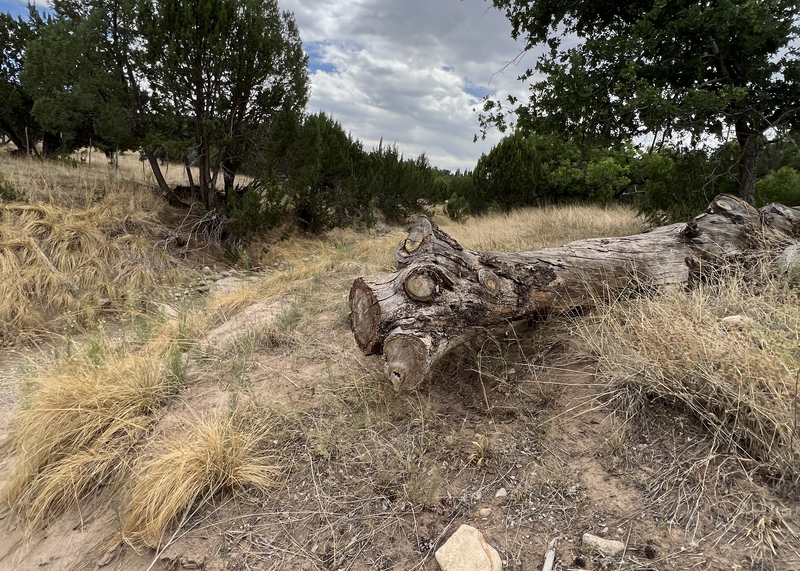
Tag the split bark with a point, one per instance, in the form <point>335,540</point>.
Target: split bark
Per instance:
<point>443,294</point>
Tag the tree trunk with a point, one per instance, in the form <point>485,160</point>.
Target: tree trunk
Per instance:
<point>189,176</point>
<point>51,144</point>
<point>156,168</point>
<point>750,143</point>
<point>442,294</point>
<point>207,191</point>
<point>230,167</point>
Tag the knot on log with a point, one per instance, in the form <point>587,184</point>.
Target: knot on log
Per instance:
<point>424,282</point>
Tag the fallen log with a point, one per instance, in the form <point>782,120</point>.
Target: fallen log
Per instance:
<point>442,294</point>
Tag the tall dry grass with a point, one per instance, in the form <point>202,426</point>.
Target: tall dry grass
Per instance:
<point>78,239</point>
<point>222,453</point>
<point>81,420</point>
<point>536,228</point>
<point>738,379</point>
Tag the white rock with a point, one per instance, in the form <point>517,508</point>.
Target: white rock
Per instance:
<point>167,310</point>
<point>468,550</point>
<point>607,547</point>
<point>485,512</point>
<point>736,322</point>
<point>501,493</point>
<point>207,271</point>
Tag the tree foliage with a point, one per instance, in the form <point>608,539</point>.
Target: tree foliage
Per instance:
<point>530,169</point>
<point>615,71</point>
<point>230,67</point>
<point>16,106</point>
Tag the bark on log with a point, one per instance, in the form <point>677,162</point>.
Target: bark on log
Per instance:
<point>442,294</point>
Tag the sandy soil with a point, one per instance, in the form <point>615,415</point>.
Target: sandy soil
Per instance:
<point>555,464</point>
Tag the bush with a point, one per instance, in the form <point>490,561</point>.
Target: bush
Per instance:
<point>605,178</point>
<point>679,184</point>
<point>253,209</point>
<point>781,186</point>
<point>10,194</point>
<point>456,208</point>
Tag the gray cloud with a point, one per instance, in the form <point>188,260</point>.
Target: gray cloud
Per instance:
<point>409,72</point>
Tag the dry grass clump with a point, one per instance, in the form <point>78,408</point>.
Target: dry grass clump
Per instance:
<point>536,228</point>
<point>61,258</point>
<point>223,454</point>
<point>79,424</point>
<point>306,265</point>
<point>739,381</point>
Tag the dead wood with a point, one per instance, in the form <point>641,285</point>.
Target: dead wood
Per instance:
<point>443,294</point>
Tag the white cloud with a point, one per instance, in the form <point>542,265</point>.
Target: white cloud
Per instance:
<point>405,71</point>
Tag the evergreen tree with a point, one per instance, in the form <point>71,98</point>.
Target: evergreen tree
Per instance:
<point>16,106</point>
<point>229,67</point>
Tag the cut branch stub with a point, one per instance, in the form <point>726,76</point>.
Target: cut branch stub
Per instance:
<point>442,294</point>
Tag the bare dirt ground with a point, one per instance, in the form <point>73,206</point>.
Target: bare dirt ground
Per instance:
<point>520,447</point>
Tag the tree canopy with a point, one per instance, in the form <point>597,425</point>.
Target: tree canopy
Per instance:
<point>208,79</point>
<point>230,67</point>
<point>613,71</point>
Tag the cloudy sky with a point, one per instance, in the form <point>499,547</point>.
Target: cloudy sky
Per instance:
<point>409,71</point>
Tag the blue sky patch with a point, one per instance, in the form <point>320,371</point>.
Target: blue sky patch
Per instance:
<point>316,61</point>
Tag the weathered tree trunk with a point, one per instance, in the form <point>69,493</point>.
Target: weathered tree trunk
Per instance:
<point>750,142</point>
<point>442,294</point>
<point>152,160</point>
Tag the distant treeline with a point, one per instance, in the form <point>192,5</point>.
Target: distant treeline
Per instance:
<point>222,87</point>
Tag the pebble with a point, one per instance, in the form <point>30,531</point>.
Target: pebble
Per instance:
<point>606,547</point>
<point>501,493</point>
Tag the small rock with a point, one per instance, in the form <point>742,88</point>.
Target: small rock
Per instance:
<point>468,550</point>
<point>484,512</point>
<point>104,302</point>
<point>167,310</point>
<point>203,288</point>
<point>738,322</point>
<point>606,547</point>
<point>501,493</point>
<point>207,271</point>
<point>620,532</point>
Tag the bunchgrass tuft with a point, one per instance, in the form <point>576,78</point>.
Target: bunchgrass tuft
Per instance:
<point>222,454</point>
<point>79,424</point>
<point>64,253</point>
<point>738,377</point>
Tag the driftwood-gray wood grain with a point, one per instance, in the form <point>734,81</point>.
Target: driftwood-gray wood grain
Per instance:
<point>443,294</point>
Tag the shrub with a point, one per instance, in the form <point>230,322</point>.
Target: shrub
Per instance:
<point>456,208</point>
<point>10,194</point>
<point>251,210</point>
<point>679,184</point>
<point>605,178</point>
<point>781,186</point>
